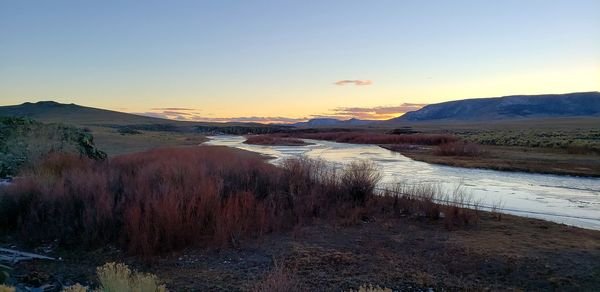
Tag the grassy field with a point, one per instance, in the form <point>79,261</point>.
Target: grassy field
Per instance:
<point>511,158</point>
<point>576,135</point>
<point>115,143</point>
<point>119,133</point>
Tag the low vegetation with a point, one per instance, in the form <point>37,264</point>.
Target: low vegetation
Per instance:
<point>128,131</point>
<point>459,148</point>
<point>24,141</point>
<point>576,141</point>
<point>244,129</point>
<point>274,140</point>
<point>371,288</point>
<point>167,199</point>
<point>280,279</point>
<point>118,277</point>
<point>380,138</point>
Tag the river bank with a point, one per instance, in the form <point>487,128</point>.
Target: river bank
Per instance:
<point>510,158</point>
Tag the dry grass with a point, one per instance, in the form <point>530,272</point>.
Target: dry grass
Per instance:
<point>117,277</point>
<point>114,277</point>
<point>509,158</point>
<point>371,288</point>
<point>280,279</point>
<point>456,208</point>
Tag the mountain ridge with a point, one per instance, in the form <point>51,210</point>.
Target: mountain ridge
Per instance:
<point>510,107</point>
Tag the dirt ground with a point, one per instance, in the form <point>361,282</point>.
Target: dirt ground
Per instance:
<point>401,253</point>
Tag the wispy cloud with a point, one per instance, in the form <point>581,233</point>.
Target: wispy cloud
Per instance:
<point>174,109</point>
<point>172,113</point>
<point>267,120</point>
<point>372,113</point>
<point>365,113</point>
<point>197,117</point>
<point>355,82</point>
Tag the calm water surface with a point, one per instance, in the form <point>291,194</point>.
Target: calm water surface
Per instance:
<point>552,195</point>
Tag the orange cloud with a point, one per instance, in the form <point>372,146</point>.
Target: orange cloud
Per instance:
<point>373,113</point>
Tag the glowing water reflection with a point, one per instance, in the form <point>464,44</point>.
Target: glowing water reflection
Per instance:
<point>551,194</point>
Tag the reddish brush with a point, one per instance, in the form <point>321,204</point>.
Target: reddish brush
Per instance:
<point>167,199</point>
<point>170,198</point>
<point>273,140</point>
<point>377,138</point>
<point>459,148</point>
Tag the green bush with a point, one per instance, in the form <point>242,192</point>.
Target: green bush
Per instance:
<point>23,141</point>
<point>115,277</point>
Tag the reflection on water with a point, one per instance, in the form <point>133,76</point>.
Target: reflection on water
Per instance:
<point>542,193</point>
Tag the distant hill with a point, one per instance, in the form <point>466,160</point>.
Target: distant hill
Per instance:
<point>328,122</point>
<point>54,112</point>
<point>510,107</point>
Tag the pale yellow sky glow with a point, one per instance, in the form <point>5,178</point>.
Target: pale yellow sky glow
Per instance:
<point>298,106</point>
<point>344,59</point>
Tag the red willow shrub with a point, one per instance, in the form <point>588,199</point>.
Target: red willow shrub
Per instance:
<point>166,199</point>
<point>273,140</point>
<point>376,138</point>
<point>459,148</point>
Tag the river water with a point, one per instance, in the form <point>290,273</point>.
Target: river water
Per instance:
<point>563,199</point>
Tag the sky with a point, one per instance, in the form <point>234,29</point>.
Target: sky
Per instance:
<point>285,61</point>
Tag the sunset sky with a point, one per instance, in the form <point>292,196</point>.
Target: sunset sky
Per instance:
<point>283,61</point>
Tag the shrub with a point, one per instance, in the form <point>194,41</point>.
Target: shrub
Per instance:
<point>429,201</point>
<point>459,148</point>
<point>115,277</point>
<point>378,138</point>
<point>371,288</point>
<point>359,180</point>
<point>274,140</point>
<point>4,288</point>
<point>75,288</point>
<point>279,279</point>
<point>167,199</point>
<point>24,142</point>
<point>128,131</point>
<point>241,216</point>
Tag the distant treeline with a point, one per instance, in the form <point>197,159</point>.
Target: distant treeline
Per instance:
<point>211,130</point>
<point>242,130</point>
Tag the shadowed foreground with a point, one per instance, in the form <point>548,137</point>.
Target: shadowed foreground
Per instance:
<point>216,218</point>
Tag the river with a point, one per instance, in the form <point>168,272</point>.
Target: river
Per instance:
<point>563,199</point>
